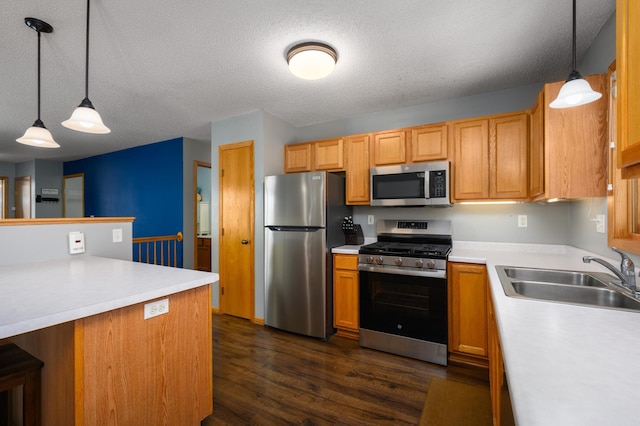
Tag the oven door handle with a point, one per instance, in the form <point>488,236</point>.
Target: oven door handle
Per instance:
<point>430,273</point>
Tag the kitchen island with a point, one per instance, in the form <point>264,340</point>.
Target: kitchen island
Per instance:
<point>566,364</point>
<point>104,362</point>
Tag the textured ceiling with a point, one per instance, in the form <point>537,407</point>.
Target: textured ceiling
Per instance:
<point>161,69</point>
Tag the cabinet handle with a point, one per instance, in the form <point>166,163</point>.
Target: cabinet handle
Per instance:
<point>245,241</point>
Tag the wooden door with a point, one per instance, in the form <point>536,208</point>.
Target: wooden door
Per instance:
<point>4,199</point>
<point>23,197</point>
<point>389,147</point>
<point>236,201</point>
<point>429,143</point>
<point>471,164</point>
<point>508,136</point>
<point>357,158</point>
<point>468,309</point>
<point>628,96</point>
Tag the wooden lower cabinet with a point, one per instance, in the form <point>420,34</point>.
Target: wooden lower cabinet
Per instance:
<point>118,368</point>
<point>500,401</point>
<point>345,295</point>
<point>203,255</point>
<point>468,341</point>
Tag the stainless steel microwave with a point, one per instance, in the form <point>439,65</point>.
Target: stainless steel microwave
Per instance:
<point>420,184</point>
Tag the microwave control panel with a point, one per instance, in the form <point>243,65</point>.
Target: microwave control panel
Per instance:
<point>437,183</point>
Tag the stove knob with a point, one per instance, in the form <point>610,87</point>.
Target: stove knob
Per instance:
<point>419,263</point>
<point>379,260</point>
<point>430,264</point>
<point>369,259</point>
<point>398,261</point>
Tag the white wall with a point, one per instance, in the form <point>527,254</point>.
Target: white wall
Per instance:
<point>35,243</point>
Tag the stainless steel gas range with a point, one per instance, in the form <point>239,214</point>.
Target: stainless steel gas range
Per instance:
<point>403,289</point>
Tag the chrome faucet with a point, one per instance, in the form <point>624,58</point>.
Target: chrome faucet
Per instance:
<point>626,274</point>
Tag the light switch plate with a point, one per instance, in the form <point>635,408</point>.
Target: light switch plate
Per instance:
<point>117,235</point>
<point>76,242</point>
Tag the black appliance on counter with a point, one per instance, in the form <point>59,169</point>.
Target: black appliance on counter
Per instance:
<point>403,289</point>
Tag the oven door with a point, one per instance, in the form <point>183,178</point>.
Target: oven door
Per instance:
<point>404,303</point>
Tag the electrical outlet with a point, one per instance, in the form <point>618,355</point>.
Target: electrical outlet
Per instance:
<point>600,225</point>
<point>76,242</point>
<point>522,221</point>
<point>153,309</point>
<point>370,219</point>
<point>117,235</point>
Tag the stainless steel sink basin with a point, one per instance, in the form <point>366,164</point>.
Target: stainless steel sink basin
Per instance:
<point>556,276</point>
<point>574,287</point>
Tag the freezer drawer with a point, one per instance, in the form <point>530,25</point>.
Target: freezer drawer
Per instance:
<point>295,281</point>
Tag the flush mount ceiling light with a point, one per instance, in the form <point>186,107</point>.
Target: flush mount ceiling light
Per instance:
<point>85,118</point>
<point>576,90</point>
<point>312,61</point>
<point>38,135</point>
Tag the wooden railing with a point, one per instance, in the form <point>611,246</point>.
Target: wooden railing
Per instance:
<point>162,250</point>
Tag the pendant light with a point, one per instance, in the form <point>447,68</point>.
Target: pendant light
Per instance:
<point>38,135</point>
<point>311,61</point>
<point>85,118</point>
<point>576,90</point>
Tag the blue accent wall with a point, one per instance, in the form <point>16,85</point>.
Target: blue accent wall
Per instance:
<point>144,182</point>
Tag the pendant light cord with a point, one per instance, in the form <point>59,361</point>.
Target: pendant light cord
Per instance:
<point>574,36</point>
<point>86,68</point>
<point>38,75</point>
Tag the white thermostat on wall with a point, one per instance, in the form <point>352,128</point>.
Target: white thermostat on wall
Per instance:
<point>76,242</point>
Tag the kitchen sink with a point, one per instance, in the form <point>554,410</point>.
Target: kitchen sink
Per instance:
<point>574,287</point>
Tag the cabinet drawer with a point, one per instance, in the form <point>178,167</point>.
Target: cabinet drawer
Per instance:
<point>345,261</point>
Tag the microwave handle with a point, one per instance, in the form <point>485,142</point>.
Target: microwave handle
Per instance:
<point>426,184</point>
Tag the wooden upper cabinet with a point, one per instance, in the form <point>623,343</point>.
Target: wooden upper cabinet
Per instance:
<point>429,143</point>
<point>508,168</point>
<point>357,169</point>
<point>389,148</point>
<point>329,154</point>
<point>490,158</point>
<point>471,159</point>
<point>628,96</point>
<point>575,145</point>
<point>536,148</point>
<point>297,158</point>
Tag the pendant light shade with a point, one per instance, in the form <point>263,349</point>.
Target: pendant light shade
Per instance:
<point>85,118</point>
<point>576,90</point>
<point>312,61</point>
<point>38,135</point>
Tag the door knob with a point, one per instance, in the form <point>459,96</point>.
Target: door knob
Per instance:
<point>245,241</point>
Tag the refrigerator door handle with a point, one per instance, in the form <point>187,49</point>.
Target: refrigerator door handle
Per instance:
<point>295,228</point>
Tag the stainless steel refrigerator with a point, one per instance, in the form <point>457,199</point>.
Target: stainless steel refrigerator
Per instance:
<point>303,215</point>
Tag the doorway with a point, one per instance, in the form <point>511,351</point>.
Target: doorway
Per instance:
<point>202,216</point>
<point>73,195</point>
<point>23,197</point>
<point>4,199</point>
<point>236,230</point>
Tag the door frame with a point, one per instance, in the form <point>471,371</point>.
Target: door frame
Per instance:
<point>196,164</point>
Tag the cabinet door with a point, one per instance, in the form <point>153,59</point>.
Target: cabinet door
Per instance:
<point>471,159</point>
<point>429,143</point>
<point>468,309</point>
<point>508,136</point>
<point>536,148</point>
<point>329,154</point>
<point>297,158</point>
<point>628,96</point>
<point>345,294</point>
<point>389,148</point>
<point>575,142</point>
<point>496,366</point>
<point>357,173</point>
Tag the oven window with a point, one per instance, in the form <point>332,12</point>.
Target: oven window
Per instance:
<point>404,305</point>
<point>398,186</point>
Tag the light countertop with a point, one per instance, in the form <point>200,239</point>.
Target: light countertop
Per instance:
<point>41,294</point>
<point>566,364</point>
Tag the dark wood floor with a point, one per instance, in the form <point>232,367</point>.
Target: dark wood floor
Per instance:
<point>264,376</point>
